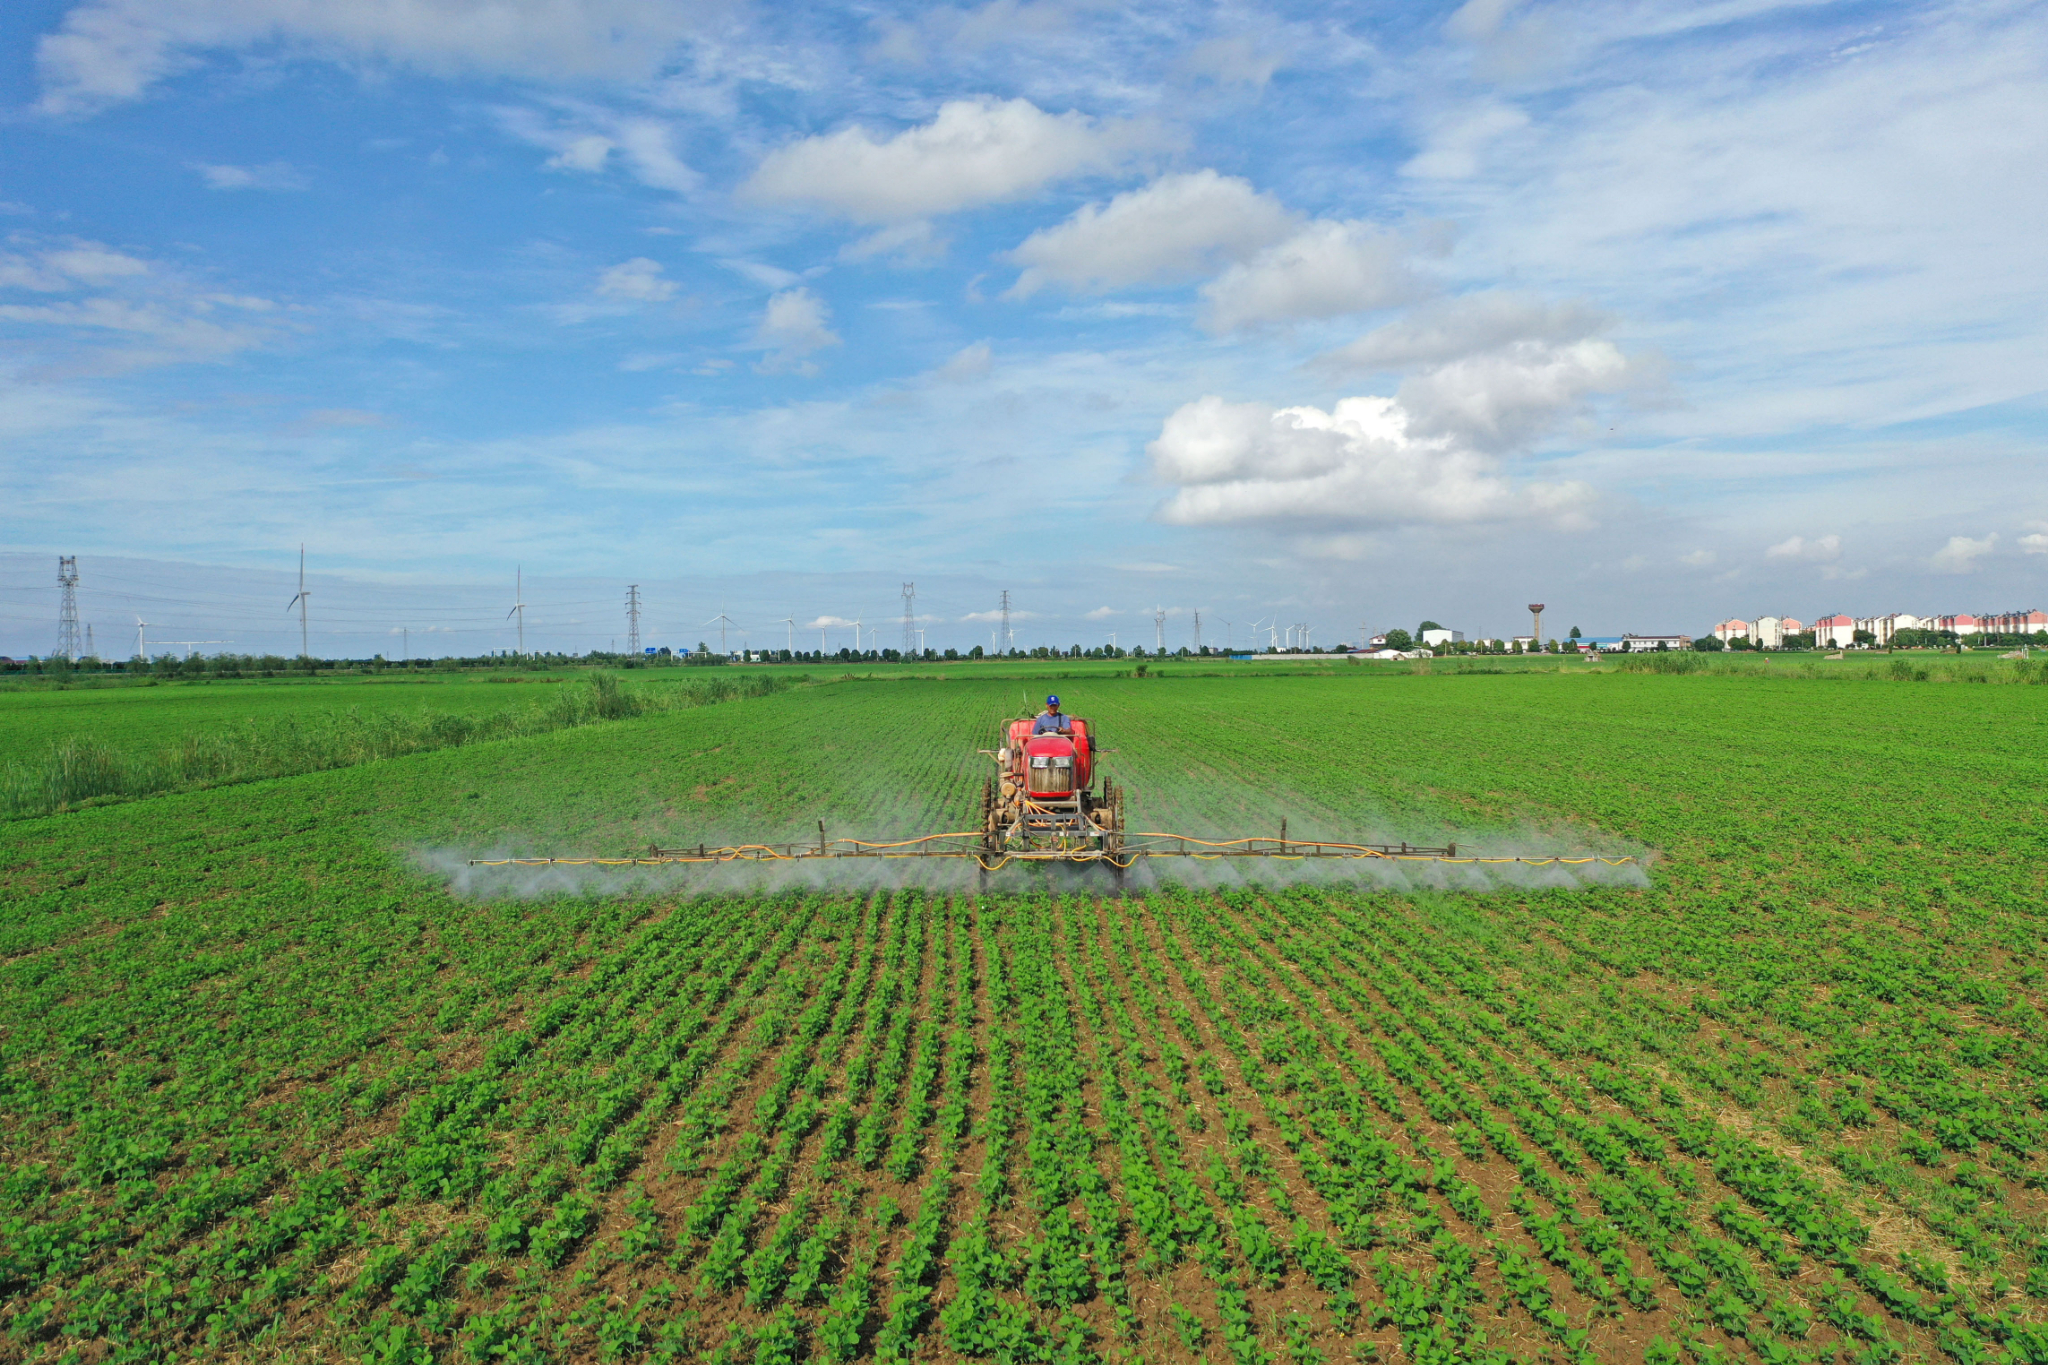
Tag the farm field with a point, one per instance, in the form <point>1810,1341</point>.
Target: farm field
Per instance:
<point>283,1080</point>
<point>132,716</point>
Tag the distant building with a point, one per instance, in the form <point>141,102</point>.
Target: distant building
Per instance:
<point>1434,638</point>
<point>1527,642</point>
<point>1731,630</point>
<point>1834,632</point>
<point>1638,644</point>
<point>1767,632</point>
<point>2014,623</point>
<point>1959,625</point>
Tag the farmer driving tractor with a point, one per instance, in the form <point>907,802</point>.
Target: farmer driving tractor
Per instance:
<point>1051,721</point>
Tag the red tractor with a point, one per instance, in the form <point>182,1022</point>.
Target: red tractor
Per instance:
<point>1042,802</point>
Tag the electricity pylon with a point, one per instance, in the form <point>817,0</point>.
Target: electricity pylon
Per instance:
<point>67,609</point>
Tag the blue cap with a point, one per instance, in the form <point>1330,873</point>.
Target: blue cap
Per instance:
<point>1052,701</point>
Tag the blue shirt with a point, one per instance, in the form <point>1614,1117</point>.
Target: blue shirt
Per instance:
<point>1052,721</point>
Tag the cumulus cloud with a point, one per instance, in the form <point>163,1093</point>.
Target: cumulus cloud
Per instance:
<point>1819,550</point>
<point>794,325</point>
<point>1961,554</point>
<point>271,175</point>
<point>1359,464</point>
<point>1178,226</point>
<point>1699,559</point>
<point>1492,370</point>
<point>1326,270</point>
<point>2035,544</point>
<point>110,51</point>
<point>636,281</point>
<point>1101,614</point>
<point>974,152</point>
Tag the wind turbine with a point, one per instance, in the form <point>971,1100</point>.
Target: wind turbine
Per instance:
<point>519,605</point>
<point>140,624</point>
<point>299,602</point>
<point>1227,637</point>
<point>723,621</point>
<point>790,621</point>
<point>856,635</point>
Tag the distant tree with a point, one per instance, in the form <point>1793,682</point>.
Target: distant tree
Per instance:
<point>974,653</point>
<point>1575,632</point>
<point>703,648</point>
<point>1864,637</point>
<point>1708,644</point>
<point>1398,638</point>
<point>1427,625</point>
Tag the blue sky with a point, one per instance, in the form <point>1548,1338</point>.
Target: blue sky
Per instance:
<point>1659,313</point>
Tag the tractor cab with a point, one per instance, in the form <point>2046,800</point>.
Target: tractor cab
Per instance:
<point>1050,764</point>
<point>1044,797</point>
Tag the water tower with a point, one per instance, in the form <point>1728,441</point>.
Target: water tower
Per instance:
<point>1536,629</point>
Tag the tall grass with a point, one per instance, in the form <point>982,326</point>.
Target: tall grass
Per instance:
<point>74,771</point>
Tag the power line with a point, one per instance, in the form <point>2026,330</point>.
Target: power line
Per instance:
<point>1009,638</point>
<point>1198,630</point>
<point>633,619</point>
<point>909,619</point>
<point>1159,626</point>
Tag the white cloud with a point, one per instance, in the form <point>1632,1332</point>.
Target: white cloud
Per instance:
<point>1819,550</point>
<point>767,276</point>
<point>1326,270</point>
<point>1178,226</point>
<point>57,269</point>
<point>272,175</point>
<point>110,51</point>
<point>969,362</point>
<point>2035,544</point>
<point>1358,464</point>
<point>636,281</point>
<point>1237,60</point>
<point>825,622</point>
<point>1961,554</point>
<point>1496,370</point>
<point>1699,559</point>
<point>1101,614</point>
<point>584,136</point>
<point>793,326</point>
<point>1452,329</point>
<point>912,243</point>
<point>973,152</point>
<point>132,314</point>
<point>1457,147</point>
